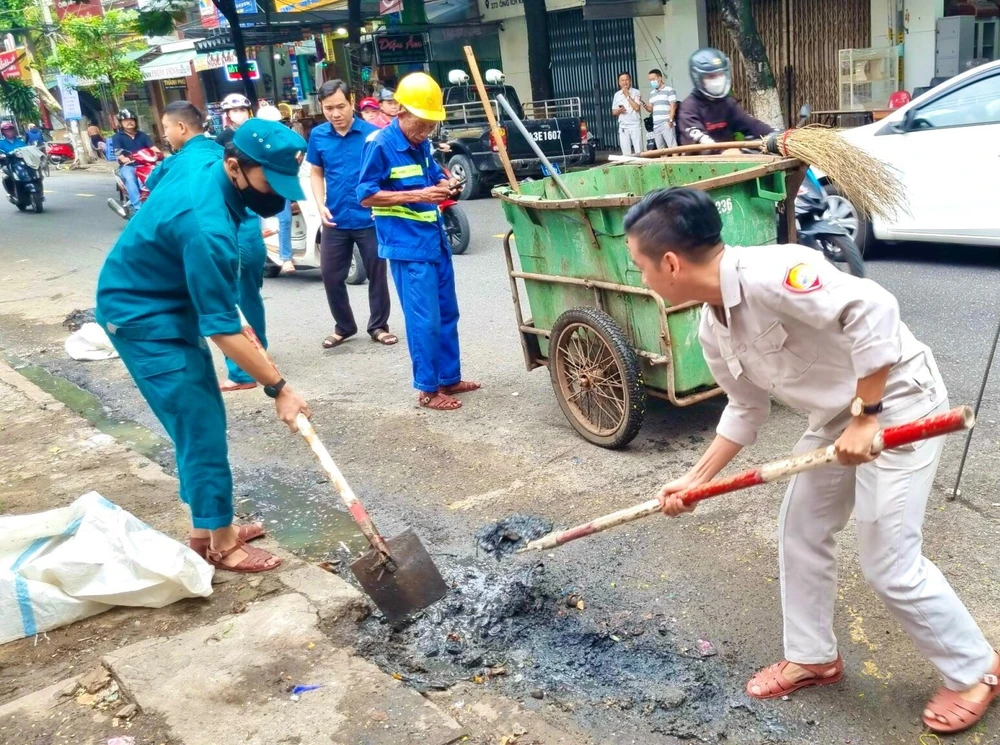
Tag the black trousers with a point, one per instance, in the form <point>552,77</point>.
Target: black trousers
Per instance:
<point>336,251</point>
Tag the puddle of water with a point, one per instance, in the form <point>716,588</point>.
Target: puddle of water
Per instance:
<point>86,404</point>
<point>303,516</point>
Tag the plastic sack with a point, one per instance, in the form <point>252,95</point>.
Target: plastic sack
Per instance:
<point>66,564</point>
<point>89,343</point>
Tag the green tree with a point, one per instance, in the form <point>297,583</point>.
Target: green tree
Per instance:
<point>15,14</point>
<point>765,104</point>
<point>96,47</point>
<point>19,99</point>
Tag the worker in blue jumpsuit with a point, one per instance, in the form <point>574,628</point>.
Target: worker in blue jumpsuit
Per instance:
<point>169,282</point>
<point>403,185</point>
<point>184,127</point>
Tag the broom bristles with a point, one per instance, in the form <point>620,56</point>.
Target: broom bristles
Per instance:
<point>869,184</point>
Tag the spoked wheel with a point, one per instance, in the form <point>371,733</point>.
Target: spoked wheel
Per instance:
<point>597,377</point>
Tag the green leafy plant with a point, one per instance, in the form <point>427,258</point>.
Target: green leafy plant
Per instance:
<point>96,48</point>
<point>19,99</point>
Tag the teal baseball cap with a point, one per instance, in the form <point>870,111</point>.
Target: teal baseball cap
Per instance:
<point>279,151</point>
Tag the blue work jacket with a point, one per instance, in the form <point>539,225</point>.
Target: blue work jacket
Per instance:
<point>411,232</point>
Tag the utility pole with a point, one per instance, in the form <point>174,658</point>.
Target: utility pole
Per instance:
<point>81,154</point>
<point>228,10</point>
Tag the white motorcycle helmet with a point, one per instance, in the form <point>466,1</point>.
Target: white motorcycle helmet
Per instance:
<point>236,101</point>
<point>269,113</point>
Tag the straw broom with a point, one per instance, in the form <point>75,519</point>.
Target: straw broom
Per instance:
<point>869,184</point>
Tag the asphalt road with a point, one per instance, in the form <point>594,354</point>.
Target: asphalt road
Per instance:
<point>711,575</point>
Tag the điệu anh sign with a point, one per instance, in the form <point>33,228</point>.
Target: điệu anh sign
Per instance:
<point>400,49</point>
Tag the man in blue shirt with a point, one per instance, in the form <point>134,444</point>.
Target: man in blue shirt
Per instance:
<point>34,135</point>
<point>9,141</point>
<point>169,282</point>
<point>335,156</point>
<point>403,186</point>
<point>128,139</point>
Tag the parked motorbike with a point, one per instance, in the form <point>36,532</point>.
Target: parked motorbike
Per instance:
<point>22,178</point>
<point>145,161</point>
<point>59,153</point>
<point>815,229</point>
<point>456,222</point>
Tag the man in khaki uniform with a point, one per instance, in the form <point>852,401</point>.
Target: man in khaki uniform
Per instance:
<point>780,321</point>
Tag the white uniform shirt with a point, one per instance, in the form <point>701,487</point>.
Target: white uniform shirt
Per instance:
<point>630,118</point>
<point>803,331</point>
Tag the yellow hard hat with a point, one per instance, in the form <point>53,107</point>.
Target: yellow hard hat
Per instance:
<point>420,94</point>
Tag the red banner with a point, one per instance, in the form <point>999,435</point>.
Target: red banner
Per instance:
<point>9,67</point>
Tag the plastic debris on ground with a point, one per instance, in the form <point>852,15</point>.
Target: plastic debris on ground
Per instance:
<point>124,740</point>
<point>90,343</point>
<point>298,690</point>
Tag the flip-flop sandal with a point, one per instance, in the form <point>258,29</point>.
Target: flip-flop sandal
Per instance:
<point>386,338</point>
<point>286,270</point>
<point>332,341</point>
<point>438,402</point>
<point>462,386</point>
<point>248,532</point>
<point>255,561</point>
<point>236,387</point>
<point>773,683</point>
<point>960,713</point>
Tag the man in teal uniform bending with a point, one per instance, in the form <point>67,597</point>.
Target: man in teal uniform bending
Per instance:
<point>184,127</point>
<point>170,281</point>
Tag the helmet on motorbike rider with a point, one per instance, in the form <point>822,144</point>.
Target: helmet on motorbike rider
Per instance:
<point>710,72</point>
<point>126,114</point>
<point>7,127</point>
<point>269,113</point>
<point>236,101</point>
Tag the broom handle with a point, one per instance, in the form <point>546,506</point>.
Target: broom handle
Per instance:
<point>701,147</point>
<point>955,420</point>
<point>340,485</point>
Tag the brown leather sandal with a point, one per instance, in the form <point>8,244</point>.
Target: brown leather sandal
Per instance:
<point>462,386</point>
<point>385,337</point>
<point>773,683</point>
<point>248,532</point>
<point>438,402</point>
<point>255,561</point>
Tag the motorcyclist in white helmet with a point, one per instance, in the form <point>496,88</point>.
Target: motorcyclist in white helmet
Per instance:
<point>236,109</point>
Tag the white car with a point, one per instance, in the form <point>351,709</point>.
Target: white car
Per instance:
<point>307,226</point>
<point>945,145</point>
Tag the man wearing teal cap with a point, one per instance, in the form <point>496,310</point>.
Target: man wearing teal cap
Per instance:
<point>169,282</point>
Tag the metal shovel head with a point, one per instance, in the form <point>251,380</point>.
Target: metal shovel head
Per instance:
<point>414,585</point>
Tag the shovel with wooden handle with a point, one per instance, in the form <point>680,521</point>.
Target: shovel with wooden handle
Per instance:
<point>397,574</point>
<point>956,420</point>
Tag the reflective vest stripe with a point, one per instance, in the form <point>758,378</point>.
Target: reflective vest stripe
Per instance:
<point>406,171</point>
<point>406,213</point>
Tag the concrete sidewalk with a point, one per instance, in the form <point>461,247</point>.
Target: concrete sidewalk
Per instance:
<point>204,672</point>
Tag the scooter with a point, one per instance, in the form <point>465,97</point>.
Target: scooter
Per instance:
<point>22,178</point>
<point>145,161</point>
<point>456,222</point>
<point>59,153</point>
<point>813,227</point>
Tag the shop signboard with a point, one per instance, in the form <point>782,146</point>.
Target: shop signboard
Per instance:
<point>215,60</point>
<point>233,71</point>
<point>161,72</point>
<point>10,67</point>
<point>209,15</point>
<point>400,49</point>
<point>174,84</point>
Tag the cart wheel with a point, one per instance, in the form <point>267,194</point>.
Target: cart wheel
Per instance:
<point>597,377</point>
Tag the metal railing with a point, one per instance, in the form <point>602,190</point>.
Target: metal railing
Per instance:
<point>552,108</point>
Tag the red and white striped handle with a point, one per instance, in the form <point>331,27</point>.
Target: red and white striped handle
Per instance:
<point>955,420</point>
<point>343,489</point>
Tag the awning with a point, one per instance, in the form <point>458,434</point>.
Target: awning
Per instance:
<point>169,65</point>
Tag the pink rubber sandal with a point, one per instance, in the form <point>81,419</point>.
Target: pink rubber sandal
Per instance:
<point>773,683</point>
<point>961,713</point>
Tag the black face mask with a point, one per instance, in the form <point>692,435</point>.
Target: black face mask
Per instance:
<point>263,204</point>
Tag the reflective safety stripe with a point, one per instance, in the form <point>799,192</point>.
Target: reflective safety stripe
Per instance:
<point>406,171</point>
<point>406,213</point>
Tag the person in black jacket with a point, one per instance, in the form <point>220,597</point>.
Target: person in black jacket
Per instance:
<point>710,114</point>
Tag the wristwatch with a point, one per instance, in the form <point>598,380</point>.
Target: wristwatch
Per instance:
<point>272,391</point>
<point>859,407</point>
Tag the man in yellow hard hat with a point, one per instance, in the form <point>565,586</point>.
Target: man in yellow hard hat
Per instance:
<point>403,185</point>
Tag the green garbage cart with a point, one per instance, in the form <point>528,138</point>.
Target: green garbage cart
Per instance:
<point>607,341</point>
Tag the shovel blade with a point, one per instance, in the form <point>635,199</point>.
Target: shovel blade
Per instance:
<point>415,585</point>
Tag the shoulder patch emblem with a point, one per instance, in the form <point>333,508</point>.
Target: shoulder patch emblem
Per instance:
<point>802,278</point>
